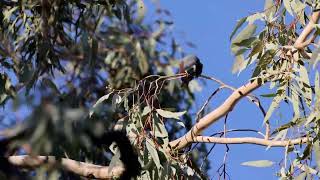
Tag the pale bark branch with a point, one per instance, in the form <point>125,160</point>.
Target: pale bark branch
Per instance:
<point>80,168</point>
<point>302,40</point>
<point>215,115</point>
<point>250,140</point>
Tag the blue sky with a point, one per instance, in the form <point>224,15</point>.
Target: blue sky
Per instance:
<point>208,24</point>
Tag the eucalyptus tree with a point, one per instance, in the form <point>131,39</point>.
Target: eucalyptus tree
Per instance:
<point>86,68</point>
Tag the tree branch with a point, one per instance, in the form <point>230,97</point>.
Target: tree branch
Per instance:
<point>215,115</point>
<point>79,168</point>
<point>301,42</point>
<point>250,140</point>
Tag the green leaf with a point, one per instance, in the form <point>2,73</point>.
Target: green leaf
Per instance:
<point>295,103</point>
<point>116,99</point>
<point>257,48</point>
<point>169,114</point>
<point>304,84</point>
<point>239,24</point>
<point>142,59</point>
<point>263,63</point>
<point>269,95</point>
<point>315,57</point>
<point>316,149</point>
<point>100,100</point>
<point>269,9</point>
<point>281,135</point>
<point>311,118</point>
<point>146,110</point>
<point>246,33</point>
<point>160,130</point>
<point>288,125</point>
<point>259,163</point>
<point>301,176</point>
<point>287,5</point>
<point>252,18</point>
<point>317,87</point>
<point>153,152</point>
<point>275,103</point>
<point>239,64</point>
<point>109,57</point>
<point>246,42</point>
<point>298,8</point>
<point>7,14</point>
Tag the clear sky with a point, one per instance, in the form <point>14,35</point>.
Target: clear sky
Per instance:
<point>208,24</point>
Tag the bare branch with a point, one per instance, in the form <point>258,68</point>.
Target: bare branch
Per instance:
<point>215,115</point>
<point>251,97</point>
<point>206,103</point>
<point>250,140</point>
<point>79,168</point>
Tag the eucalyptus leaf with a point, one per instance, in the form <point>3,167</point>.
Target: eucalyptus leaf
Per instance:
<point>100,100</point>
<point>116,100</point>
<point>259,163</point>
<point>239,24</point>
<point>169,114</point>
<point>153,152</point>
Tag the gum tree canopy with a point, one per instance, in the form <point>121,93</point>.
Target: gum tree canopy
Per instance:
<point>73,70</point>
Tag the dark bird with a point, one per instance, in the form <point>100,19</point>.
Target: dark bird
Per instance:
<point>192,66</point>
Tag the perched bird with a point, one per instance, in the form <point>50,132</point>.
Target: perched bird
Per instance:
<point>192,66</point>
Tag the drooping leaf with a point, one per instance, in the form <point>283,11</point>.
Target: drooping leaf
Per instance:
<point>316,149</point>
<point>169,114</point>
<point>146,110</point>
<point>142,59</point>
<point>239,24</point>
<point>153,152</point>
<point>100,100</point>
<point>274,105</point>
<point>315,57</point>
<point>304,85</point>
<point>239,64</point>
<point>246,33</point>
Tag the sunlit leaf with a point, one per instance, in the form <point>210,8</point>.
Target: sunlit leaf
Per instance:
<point>100,100</point>
<point>169,114</point>
<point>146,110</point>
<point>239,64</point>
<point>259,163</point>
<point>287,5</point>
<point>274,105</point>
<point>116,99</point>
<point>316,149</point>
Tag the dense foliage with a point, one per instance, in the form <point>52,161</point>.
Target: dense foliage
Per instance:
<point>266,42</point>
<point>59,57</point>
